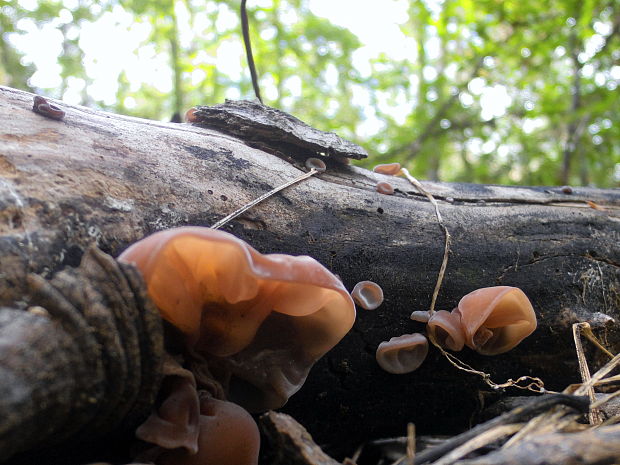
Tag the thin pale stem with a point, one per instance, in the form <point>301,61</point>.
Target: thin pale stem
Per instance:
<point>446,252</point>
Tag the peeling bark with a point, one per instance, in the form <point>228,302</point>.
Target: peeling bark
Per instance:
<point>98,178</point>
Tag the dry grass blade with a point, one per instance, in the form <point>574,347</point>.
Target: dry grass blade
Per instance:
<point>409,456</point>
<point>258,200</point>
<point>599,375</point>
<point>410,443</point>
<point>550,421</point>
<point>479,441</point>
<point>517,415</point>
<point>595,416</point>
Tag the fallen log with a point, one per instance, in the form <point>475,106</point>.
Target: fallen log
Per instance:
<point>104,179</point>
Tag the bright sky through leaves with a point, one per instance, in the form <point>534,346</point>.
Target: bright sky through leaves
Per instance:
<point>492,92</point>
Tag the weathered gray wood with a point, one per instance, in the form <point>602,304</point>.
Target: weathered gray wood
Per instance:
<point>274,130</point>
<point>106,179</point>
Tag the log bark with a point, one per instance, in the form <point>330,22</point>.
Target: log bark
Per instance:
<point>109,180</point>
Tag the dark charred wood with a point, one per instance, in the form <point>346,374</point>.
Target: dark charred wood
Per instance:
<point>111,180</point>
<point>83,362</point>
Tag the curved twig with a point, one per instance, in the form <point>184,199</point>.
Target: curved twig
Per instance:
<point>245,29</point>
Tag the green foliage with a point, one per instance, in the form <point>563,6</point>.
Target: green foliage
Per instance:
<point>492,91</point>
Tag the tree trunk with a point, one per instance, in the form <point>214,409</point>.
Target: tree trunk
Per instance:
<point>98,178</point>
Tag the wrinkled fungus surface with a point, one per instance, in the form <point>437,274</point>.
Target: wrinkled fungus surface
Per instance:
<point>367,295</point>
<point>446,330</point>
<point>259,321</point>
<point>496,319</point>
<point>191,428</point>
<point>228,436</point>
<point>402,354</point>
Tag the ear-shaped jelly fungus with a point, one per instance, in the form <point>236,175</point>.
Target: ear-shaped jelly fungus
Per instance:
<point>45,108</point>
<point>228,436</point>
<point>402,354</point>
<point>445,329</point>
<point>384,188</point>
<point>495,319</point>
<point>315,164</point>
<point>190,115</point>
<point>388,168</point>
<point>174,422</point>
<point>420,315</point>
<point>367,295</point>
<point>259,321</point>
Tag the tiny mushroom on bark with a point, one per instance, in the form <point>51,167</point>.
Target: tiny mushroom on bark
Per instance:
<point>367,295</point>
<point>384,188</point>
<point>258,321</point>
<point>315,164</point>
<point>402,354</point>
<point>445,329</point>
<point>388,168</point>
<point>495,319</point>
<point>190,115</point>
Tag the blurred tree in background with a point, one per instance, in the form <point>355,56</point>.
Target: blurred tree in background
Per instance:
<point>491,91</point>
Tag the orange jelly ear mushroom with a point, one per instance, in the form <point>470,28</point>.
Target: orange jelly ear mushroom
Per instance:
<point>446,330</point>
<point>259,321</point>
<point>228,436</point>
<point>174,422</point>
<point>388,168</point>
<point>496,319</point>
<point>402,354</point>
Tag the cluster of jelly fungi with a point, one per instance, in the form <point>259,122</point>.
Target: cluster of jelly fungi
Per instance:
<point>257,323</point>
<point>491,321</point>
<point>391,169</point>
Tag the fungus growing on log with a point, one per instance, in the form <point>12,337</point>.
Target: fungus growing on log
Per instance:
<point>421,316</point>
<point>495,319</point>
<point>175,424</point>
<point>188,428</point>
<point>315,164</point>
<point>367,295</point>
<point>384,188</point>
<point>402,354</point>
<point>45,108</point>
<point>446,330</point>
<point>391,169</point>
<point>190,115</point>
<point>259,321</point>
<point>228,436</point>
